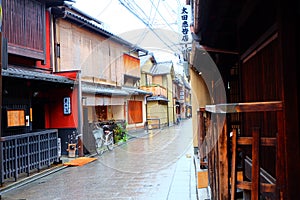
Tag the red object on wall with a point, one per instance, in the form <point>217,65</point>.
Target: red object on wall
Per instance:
<point>135,112</point>
<point>47,64</point>
<point>55,117</point>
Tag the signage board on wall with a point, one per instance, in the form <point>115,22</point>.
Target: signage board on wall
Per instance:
<point>184,21</point>
<point>67,105</point>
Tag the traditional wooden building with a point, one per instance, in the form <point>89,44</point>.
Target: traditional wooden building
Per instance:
<point>108,70</point>
<point>157,78</point>
<point>32,95</point>
<point>245,57</point>
<point>182,97</point>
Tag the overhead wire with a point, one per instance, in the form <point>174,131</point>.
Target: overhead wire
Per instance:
<point>167,23</point>
<point>149,18</point>
<point>148,24</point>
<point>143,19</point>
<point>126,4</point>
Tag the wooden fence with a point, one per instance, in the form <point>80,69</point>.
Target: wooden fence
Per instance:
<point>25,152</point>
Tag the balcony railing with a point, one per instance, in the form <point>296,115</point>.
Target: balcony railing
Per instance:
<point>24,153</point>
<point>221,156</point>
<point>156,90</point>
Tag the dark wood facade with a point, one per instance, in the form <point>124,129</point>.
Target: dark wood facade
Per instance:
<point>31,94</point>
<point>24,28</point>
<point>255,46</point>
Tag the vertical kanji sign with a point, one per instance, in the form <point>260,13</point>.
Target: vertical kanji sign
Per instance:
<point>184,24</point>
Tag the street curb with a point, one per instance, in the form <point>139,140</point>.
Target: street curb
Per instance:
<point>50,170</point>
<point>31,178</point>
<point>200,191</point>
<point>196,177</point>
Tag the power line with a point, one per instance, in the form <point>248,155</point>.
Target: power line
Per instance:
<point>167,23</point>
<point>130,9</point>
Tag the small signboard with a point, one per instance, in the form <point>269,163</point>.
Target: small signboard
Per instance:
<point>184,24</point>
<point>67,105</point>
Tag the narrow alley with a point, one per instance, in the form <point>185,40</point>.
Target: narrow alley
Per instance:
<point>158,165</point>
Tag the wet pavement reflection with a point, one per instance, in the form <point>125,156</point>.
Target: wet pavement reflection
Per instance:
<point>158,166</point>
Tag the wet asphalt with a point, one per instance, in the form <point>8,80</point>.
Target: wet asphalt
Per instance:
<point>155,165</point>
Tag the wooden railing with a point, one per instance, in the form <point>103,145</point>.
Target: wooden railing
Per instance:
<point>152,123</point>
<point>25,152</point>
<point>214,142</point>
<point>156,90</point>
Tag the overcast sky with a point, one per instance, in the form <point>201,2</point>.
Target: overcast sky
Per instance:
<point>161,15</point>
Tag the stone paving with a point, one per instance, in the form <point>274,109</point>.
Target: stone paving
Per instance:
<point>156,165</point>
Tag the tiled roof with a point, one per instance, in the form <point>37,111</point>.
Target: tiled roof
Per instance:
<point>157,98</point>
<point>21,72</point>
<point>161,68</point>
<point>144,59</point>
<point>136,91</point>
<point>104,90</point>
<point>90,22</point>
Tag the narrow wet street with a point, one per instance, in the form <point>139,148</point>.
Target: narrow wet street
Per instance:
<point>157,165</point>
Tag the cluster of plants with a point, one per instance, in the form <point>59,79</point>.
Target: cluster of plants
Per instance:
<point>120,133</point>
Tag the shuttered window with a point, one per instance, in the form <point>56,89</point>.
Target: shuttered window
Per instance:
<point>132,65</point>
<point>135,112</point>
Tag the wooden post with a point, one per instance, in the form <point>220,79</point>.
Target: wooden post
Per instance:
<point>201,136</point>
<point>233,164</point>
<point>223,158</point>
<point>211,157</point>
<point>281,159</point>
<point>255,164</point>
<point>215,158</point>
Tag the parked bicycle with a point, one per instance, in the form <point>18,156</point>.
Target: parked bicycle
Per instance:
<point>103,135</point>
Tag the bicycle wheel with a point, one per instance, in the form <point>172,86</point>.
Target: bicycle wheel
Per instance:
<point>99,145</point>
<point>110,142</point>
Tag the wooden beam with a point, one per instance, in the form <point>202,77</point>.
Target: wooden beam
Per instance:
<point>245,107</point>
<point>23,51</point>
<point>261,43</point>
<point>264,141</point>
<point>264,187</point>
<point>217,50</point>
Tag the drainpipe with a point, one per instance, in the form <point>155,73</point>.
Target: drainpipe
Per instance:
<point>52,42</point>
<point>168,101</point>
<point>80,116</point>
